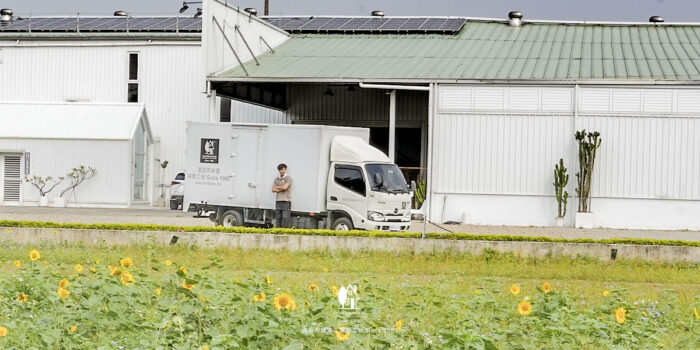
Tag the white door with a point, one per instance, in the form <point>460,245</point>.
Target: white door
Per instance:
<point>245,160</point>
<point>10,177</point>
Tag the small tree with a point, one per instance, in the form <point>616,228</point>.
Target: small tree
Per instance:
<point>42,182</point>
<point>588,144</point>
<point>163,165</point>
<point>561,178</point>
<point>78,176</point>
<point>420,194</point>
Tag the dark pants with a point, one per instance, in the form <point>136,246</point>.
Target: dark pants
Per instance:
<point>283,214</point>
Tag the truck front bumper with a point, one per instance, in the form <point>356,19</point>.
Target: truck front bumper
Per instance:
<point>391,226</point>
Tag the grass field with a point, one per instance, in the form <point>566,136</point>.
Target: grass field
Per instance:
<point>405,300</point>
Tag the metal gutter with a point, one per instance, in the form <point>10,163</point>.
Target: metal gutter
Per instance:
<point>457,81</point>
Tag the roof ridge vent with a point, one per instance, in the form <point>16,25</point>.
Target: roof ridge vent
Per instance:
<point>5,15</point>
<point>516,18</point>
<point>656,19</point>
<point>378,13</point>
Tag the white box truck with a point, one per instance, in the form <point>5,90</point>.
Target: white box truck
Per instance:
<point>340,181</point>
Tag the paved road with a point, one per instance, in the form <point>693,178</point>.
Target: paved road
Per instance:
<point>162,216</point>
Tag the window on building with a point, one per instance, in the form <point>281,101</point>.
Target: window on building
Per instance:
<point>133,84</point>
<point>351,178</point>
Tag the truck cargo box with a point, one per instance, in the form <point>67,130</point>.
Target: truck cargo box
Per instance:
<point>235,164</point>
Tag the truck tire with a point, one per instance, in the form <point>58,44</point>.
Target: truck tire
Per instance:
<point>342,224</point>
<point>174,205</point>
<point>231,218</point>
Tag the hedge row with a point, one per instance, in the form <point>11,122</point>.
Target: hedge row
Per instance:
<point>286,231</point>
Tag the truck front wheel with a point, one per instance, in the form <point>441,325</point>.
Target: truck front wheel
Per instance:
<point>342,224</point>
<point>231,218</point>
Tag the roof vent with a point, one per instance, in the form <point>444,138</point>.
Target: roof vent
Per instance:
<point>5,15</point>
<point>378,13</point>
<point>120,13</point>
<point>252,11</point>
<point>656,19</point>
<point>516,18</point>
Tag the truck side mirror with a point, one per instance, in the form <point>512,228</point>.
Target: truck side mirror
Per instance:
<point>378,179</point>
<point>413,186</point>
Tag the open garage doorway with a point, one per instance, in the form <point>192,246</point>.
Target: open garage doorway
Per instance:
<point>408,149</point>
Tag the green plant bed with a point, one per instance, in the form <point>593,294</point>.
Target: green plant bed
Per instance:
<point>279,231</point>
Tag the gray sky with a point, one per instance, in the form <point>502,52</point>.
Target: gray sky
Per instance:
<point>609,10</point>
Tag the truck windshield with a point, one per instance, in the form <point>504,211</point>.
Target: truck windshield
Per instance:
<point>393,180</point>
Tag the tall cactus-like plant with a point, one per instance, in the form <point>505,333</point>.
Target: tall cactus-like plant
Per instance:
<point>561,179</point>
<point>588,144</point>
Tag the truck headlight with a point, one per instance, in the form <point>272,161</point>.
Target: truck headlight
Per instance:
<point>374,216</point>
<point>407,216</point>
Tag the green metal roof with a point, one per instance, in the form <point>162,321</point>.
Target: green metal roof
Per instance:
<point>489,51</point>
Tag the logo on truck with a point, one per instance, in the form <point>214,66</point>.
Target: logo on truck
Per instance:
<point>209,152</point>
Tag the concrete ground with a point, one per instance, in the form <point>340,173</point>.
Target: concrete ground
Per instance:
<point>162,216</point>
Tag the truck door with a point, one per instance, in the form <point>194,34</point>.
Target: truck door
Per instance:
<point>347,191</point>
<point>245,160</point>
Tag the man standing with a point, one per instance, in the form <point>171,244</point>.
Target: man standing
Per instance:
<point>283,205</point>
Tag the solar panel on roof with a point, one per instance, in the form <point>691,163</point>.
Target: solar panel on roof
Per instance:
<point>373,24</point>
<point>454,24</point>
<point>315,24</point>
<point>394,23</point>
<point>143,23</point>
<point>354,24</point>
<point>433,24</point>
<point>335,23</point>
<point>413,24</point>
<point>295,24</point>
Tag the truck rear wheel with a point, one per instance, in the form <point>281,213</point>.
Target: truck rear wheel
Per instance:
<point>231,218</point>
<point>342,224</point>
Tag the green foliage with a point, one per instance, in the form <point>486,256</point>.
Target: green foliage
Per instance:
<point>78,176</point>
<point>41,182</point>
<point>560,181</point>
<point>420,194</point>
<point>354,233</point>
<point>588,144</point>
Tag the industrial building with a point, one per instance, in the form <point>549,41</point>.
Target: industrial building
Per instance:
<point>481,108</point>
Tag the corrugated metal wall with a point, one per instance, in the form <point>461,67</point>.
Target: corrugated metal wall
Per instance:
<point>171,82</point>
<point>307,103</point>
<point>111,159</point>
<point>242,112</point>
<point>650,149</point>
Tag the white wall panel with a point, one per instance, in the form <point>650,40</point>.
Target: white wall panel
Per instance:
<point>111,159</point>
<point>456,97</point>
<point>594,100</point>
<point>657,100</point>
<point>557,99</point>
<point>242,112</point>
<point>524,99</point>
<point>689,101</point>
<point>626,100</point>
<point>489,99</point>
<point>467,98</point>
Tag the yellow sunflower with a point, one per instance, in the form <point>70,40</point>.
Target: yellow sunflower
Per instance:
<point>620,314</point>
<point>183,269</point>
<point>203,298</point>
<point>342,334</point>
<point>285,301</point>
<point>3,331</point>
<point>126,263</point>
<point>63,293</point>
<point>73,329</point>
<point>127,278</point>
<point>325,269</point>
<point>34,255</point>
<point>114,271</point>
<point>23,297</point>
<point>188,286</point>
<point>64,283</point>
<point>79,268</point>
<point>335,290</point>
<point>259,297</point>
<point>268,279</point>
<point>168,262</point>
<point>398,325</point>
<point>515,289</point>
<point>17,263</point>
<point>546,287</point>
<point>606,293</point>
<point>524,308</point>
<point>158,291</point>
<point>313,287</point>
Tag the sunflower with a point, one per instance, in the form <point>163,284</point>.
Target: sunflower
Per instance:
<point>202,298</point>
<point>285,301</point>
<point>620,315</point>
<point>17,263</point>
<point>308,304</point>
<point>398,325</point>
<point>342,334</point>
<point>325,269</point>
<point>546,287</point>
<point>335,290</point>
<point>23,297</point>
<point>606,293</point>
<point>313,287</point>
<point>268,279</point>
<point>158,291</point>
<point>183,269</point>
<point>515,289</point>
<point>3,331</point>
<point>188,286</point>
<point>97,261</point>
<point>64,283</point>
<point>168,262</point>
<point>63,293</point>
<point>73,329</point>
<point>114,271</point>
<point>126,263</point>
<point>79,268</point>
<point>34,255</point>
<point>127,278</point>
<point>524,308</point>
<point>259,297</point>
<point>695,312</point>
